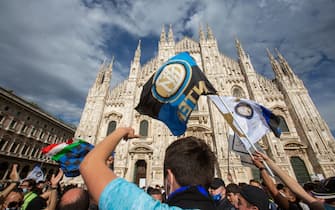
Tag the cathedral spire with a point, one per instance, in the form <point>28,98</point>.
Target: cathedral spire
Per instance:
<point>284,64</point>
<point>210,35</point>
<point>102,66</point>
<point>163,35</point>
<point>170,35</point>
<point>201,34</point>
<point>240,51</point>
<point>274,64</point>
<point>137,55</point>
<point>111,63</point>
<point>105,73</point>
<point>279,55</point>
<point>272,59</point>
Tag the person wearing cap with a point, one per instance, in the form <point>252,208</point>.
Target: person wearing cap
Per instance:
<point>252,197</point>
<point>326,190</point>
<point>217,189</point>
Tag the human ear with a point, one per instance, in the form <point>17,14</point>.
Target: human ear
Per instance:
<point>171,181</point>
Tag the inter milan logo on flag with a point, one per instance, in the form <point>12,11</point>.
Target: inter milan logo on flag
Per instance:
<point>172,92</point>
<point>244,109</point>
<point>247,118</point>
<point>170,81</point>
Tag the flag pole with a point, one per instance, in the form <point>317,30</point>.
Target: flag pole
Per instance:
<point>246,137</point>
<point>228,156</point>
<point>217,166</point>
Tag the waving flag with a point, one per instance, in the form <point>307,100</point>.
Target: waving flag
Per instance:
<point>247,118</point>
<point>53,149</point>
<point>36,174</point>
<point>171,94</point>
<point>69,155</point>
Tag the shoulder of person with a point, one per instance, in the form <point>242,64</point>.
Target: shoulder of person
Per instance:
<point>37,203</point>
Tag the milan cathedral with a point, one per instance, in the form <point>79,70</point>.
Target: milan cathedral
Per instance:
<point>306,148</point>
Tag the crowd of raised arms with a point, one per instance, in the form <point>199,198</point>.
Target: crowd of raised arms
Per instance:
<point>189,183</point>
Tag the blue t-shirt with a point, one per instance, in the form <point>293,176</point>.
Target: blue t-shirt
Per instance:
<point>120,194</point>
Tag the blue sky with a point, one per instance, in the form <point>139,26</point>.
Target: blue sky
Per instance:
<point>50,51</point>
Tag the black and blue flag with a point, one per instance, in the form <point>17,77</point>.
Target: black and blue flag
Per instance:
<point>171,94</point>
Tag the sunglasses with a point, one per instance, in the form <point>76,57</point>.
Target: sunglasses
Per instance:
<point>15,204</point>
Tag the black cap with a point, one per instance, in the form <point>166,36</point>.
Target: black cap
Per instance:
<point>325,189</point>
<point>255,196</point>
<point>216,183</point>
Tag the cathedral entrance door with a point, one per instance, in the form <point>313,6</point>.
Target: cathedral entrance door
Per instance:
<point>140,173</point>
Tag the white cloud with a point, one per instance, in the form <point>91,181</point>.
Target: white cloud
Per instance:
<point>145,17</point>
<point>51,40</point>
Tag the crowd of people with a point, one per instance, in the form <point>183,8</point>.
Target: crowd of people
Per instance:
<point>189,183</point>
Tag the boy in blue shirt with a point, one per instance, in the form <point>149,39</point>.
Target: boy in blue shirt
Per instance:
<point>188,171</point>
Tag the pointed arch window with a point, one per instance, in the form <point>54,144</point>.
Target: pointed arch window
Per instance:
<point>238,92</point>
<point>111,127</point>
<point>102,78</point>
<point>144,128</point>
<point>283,125</point>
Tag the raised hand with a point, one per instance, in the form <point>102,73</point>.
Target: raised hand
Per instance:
<point>56,179</point>
<point>257,160</point>
<point>261,156</point>
<point>130,133</point>
<point>14,176</point>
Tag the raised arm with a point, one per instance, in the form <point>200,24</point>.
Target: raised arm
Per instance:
<point>94,169</point>
<point>265,176</point>
<point>288,181</point>
<point>54,185</point>
<point>14,177</point>
<point>280,200</point>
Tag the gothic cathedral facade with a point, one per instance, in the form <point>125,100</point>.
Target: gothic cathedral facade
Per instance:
<point>306,148</point>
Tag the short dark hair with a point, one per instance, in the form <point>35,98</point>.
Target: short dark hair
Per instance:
<point>232,188</point>
<point>41,181</point>
<point>81,203</point>
<point>149,189</point>
<point>31,182</point>
<point>242,184</point>
<point>191,161</point>
<point>155,191</point>
<point>216,183</point>
<point>309,186</point>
